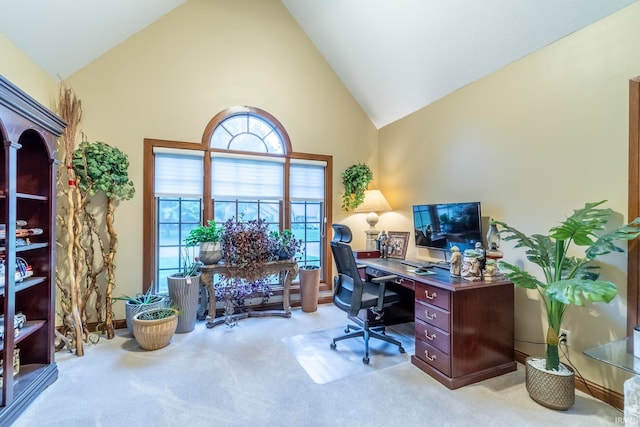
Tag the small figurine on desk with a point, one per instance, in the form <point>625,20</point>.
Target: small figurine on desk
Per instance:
<point>382,244</point>
<point>470,265</point>
<point>456,262</point>
<point>482,259</point>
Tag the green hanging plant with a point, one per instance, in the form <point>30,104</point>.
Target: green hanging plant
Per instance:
<point>356,179</point>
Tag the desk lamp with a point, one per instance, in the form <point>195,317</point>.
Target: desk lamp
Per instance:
<point>373,203</point>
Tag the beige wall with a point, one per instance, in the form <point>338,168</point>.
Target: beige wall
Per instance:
<point>170,79</point>
<point>20,70</point>
<point>532,141</point>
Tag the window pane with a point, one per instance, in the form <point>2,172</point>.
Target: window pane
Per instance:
<point>235,124</point>
<point>220,138</point>
<point>168,210</point>
<point>259,127</point>
<point>247,142</point>
<point>247,132</point>
<point>176,217</point>
<point>168,234</point>
<point>191,211</point>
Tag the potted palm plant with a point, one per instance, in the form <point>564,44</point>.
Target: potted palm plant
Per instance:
<point>208,237</point>
<point>567,280</point>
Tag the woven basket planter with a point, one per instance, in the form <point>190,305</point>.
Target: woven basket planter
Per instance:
<point>156,333</point>
<point>549,389</point>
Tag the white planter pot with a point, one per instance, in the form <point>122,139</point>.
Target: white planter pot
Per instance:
<point>210,253</point>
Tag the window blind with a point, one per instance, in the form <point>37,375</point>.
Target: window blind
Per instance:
<point>178,173</point>
<point>242,177</point>
<point>306,181</point>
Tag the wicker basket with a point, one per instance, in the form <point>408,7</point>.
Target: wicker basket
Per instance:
<point>550,390</point>
<point>157,333</point>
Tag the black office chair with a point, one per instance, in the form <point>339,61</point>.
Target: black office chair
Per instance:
<point>352,294</point>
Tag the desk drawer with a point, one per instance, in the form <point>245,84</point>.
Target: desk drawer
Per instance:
<point>434,336</point>
<point>433,315</point>
<point>432,295</point>
<point>434,357</point>
<point>404,282</point>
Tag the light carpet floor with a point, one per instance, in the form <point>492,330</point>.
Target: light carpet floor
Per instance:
<point>246,376</point>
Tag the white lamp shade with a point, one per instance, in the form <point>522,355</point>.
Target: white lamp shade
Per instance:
<point>374,201</point>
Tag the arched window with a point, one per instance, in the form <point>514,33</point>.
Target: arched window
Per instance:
<point>243,168</point>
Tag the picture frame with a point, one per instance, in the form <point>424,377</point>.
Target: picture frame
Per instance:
<point>398,240</point>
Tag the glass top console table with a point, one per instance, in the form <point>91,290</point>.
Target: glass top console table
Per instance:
<point>617,353</point>
<point>620,354</point>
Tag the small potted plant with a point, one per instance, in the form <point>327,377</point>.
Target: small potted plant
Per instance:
<point>208,237</point>
<point>567,280</point>
<point>153,329</point>
<point>140,302</point>
<point>356,179</point>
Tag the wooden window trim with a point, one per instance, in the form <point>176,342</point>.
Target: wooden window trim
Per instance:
<point>633,260</point>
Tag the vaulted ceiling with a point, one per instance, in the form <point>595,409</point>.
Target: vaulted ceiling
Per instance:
<point>394,56</point>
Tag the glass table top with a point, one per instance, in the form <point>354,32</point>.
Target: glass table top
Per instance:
<point>617,353</point>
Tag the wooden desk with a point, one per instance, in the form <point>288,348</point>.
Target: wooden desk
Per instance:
<point>287,271</point>
<point>464,330</point>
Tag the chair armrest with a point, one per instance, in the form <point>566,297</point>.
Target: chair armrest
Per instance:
<point>384,278</point>
<point>382,281</point>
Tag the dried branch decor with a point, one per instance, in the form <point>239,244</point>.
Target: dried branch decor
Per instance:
<point>70,110</point>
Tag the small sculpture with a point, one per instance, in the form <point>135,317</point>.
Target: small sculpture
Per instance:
<point>470,265</point>
<point>482,259</point>
<point>491,270</point>
<point>382,244</point>
<point>456,262</point>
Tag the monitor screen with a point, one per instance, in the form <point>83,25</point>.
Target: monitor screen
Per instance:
<point>442,226</point>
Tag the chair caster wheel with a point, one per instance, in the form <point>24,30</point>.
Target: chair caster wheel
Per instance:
<point>333,346</point>
<point>365,360</point>
<point>347,330</point>
<point>401,350</point>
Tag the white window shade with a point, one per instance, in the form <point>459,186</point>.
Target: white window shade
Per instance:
<point>306,181</point>
<point>246,178</point>
<point>178,173</point>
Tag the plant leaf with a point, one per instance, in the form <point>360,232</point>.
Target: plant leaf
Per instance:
<point>574,291</point>
<point>519,277</point>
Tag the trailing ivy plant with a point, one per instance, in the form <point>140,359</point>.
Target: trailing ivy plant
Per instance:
<point>356,179</point>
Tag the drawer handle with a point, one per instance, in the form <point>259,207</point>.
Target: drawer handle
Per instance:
<point>429,316</point>
<point>431,358</point>
<point>432,296</point>
<point>429,337</point>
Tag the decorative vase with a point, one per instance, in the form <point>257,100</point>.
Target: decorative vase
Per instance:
<point>550,389</point>
<point>156,333</point>
<point>309,288</point>
<point>210,252</point>
<point>184,293</point>
<point>133,309</point>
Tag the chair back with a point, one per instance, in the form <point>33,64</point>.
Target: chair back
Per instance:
<point>348,285</point>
